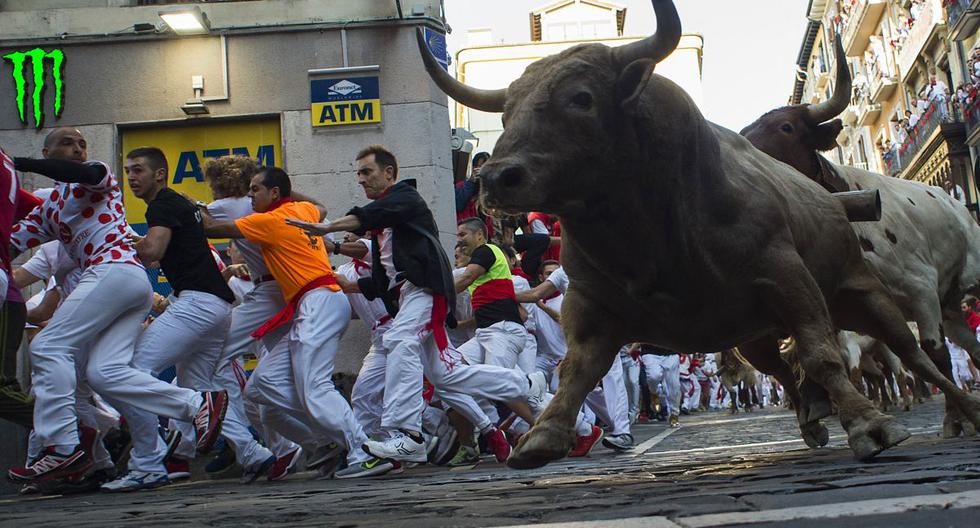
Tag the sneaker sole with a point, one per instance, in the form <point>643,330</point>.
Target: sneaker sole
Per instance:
<point>418,458</point>
<point>289,469</point>
<point>606,442</point>
<point>141,487</point>
<point>380,469</point>
<point>205,444</point>
<point>58,474</point>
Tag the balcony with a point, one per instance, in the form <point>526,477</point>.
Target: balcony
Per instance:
<point>929,21</point>
<point>971,116</point>
<point>850,115</point>
<point>930,120</point>
<point>963,19</point>
<point>884,81</point>
<point>861,24</point>
<point>867,111</point>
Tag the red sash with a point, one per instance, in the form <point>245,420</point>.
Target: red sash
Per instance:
<point>437,325</point>
<point>286,314</point>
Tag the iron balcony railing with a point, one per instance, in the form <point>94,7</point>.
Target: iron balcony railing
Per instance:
<point>931,118</point>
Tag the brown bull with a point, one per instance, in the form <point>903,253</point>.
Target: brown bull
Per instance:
<point>925,248</point>
<point>725,246</point>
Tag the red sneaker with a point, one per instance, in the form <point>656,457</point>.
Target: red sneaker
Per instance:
<point>643,417</point>
<point>209,418</point>
<point>284,465</point>
<point>584,444</point>
<point>51,465</point>
<point>497,443</point>
<point>177,468</point>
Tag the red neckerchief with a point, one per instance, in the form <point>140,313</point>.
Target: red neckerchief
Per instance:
<point>360,265</point>
<point>275,205</point>
<point>520,273</point>
<point>552,296</point>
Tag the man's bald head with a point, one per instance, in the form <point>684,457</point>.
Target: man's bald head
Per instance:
<point>65,143</point>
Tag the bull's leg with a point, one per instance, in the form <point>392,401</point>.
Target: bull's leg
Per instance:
<point>764,355</point>
<point>893,364</point>
<point>591,350</point>
<point>863,305</point>
<point>800,303</point>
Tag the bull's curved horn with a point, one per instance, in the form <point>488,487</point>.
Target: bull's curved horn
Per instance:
<point>656,47</point>
<point>831,108</point>
<point>485,100</point>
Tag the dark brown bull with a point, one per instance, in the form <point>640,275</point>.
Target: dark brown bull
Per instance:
<point>925,248</point>
<point>719,244</point>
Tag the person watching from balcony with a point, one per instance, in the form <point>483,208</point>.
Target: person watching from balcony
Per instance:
<point>954,190</point>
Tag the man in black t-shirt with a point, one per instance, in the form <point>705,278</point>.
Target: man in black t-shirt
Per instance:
<point>189,335</point>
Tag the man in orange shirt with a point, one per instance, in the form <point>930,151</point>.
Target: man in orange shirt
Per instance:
<point>293,380</point>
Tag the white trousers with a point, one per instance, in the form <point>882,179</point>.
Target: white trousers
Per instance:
<point>258,306</point>
<point>499,344</point>
<point>89,415</point>
<point>690,393</point>
<point>631,377</point>
<point>294,378</point>
<point>412,351</point>
<point>367,395</point>
<point>97,325</point>
<point>664,371</point>
<point>610,402</point>
<point>189,335</point>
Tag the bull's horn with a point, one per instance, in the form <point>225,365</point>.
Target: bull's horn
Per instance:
<point>485,100</point>
<point>831,108</point>
<point>657,46</point>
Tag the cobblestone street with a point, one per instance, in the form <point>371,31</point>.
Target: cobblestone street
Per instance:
<point>716,469</point>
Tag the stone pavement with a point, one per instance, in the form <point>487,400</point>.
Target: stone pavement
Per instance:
<point>717,469</point>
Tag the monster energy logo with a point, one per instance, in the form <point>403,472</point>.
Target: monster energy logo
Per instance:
<point>37,56</point>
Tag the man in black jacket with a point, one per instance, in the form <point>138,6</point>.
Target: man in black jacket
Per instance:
<point>412,274</point>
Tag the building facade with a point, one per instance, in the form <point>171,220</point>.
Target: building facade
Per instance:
<point>911,106</point>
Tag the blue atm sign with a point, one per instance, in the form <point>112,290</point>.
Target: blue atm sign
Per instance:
<point>345,101</point>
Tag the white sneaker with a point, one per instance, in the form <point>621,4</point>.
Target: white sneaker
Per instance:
<point>536,393</point>
<point>398,446</point>
<point>136,480</point>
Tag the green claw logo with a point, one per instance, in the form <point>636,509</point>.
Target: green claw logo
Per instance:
<point>37,56</point>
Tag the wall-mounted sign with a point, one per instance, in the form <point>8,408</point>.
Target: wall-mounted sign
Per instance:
<point>436,41</point>
<point>354,100</point>
<point>39,59</point>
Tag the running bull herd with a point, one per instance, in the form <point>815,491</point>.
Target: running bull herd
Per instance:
<point>721,240</point>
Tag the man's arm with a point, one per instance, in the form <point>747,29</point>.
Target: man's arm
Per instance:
<point>219,228</point>
<point>304,198</point>
<point>63,170</point>
<point>344,223</point>
<point>46,308</point>
<point>464,192</point>
<point>470,274</point>
<point>24,278</point>
<point>537,293</point>
<point>348,249</point>
<point>554,314</point>
<point>152,247</point>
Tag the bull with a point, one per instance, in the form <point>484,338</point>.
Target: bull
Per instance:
<point>726,245</point>
<point>925,248</point>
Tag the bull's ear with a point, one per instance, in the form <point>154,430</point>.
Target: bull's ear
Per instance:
<point>826,136</point>
<point>631,83</point>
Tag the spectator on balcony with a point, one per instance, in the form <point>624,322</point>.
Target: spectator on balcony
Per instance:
<point>901,131</point>
<point>911,119</point>
<point>954,190</point>
<point>938,93</point>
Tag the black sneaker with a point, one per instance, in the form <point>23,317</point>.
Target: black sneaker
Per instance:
<point>222,463</point>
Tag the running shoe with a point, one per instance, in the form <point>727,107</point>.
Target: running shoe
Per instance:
<point>585,444</point>
<point>50,465</point>
<point>465,456</point>
<point>177,468</point>
<point>498,444</point>
<point>209,418</point>
<point>620,442</point>
<point>370,468</point>
<point>285,465</point>
<point>249,474</point>
<point>135,481</point>
<point>398,446</point>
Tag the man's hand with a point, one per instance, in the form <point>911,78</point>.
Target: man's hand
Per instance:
<point>160,303</point>
<point>310,228</point>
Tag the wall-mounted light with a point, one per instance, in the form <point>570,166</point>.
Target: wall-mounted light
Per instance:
<point>186,20</point>
<point>195,108</point>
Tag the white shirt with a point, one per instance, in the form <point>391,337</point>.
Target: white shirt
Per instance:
<point>559,279</point>
<point>538,227</point>
<point>551,340</point>
<point>51,261</point>
<point>464,311</point>
<point>368,311</point>
<point>240,287</point>
<point>388,257</point>
<point>957,193</point>
<point>521,284</point>
<point>89,219</point>
<point>233,209</point>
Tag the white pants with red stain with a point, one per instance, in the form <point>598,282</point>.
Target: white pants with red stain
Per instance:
<point>690,392</point>
<point>97,326</point>
<point>412,351</point>
<point>664,378</point>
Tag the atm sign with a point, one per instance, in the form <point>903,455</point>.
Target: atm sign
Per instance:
<point>345,101</point>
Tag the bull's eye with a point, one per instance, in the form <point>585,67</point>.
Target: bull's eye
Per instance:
<point>788,128</point>
<point>582,100</point>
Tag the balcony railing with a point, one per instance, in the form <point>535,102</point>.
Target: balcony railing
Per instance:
<point>930,16</point>
<point>963,19</point>
<point>868,111</point>
<point>862,20</point>
<point>884,80</point>
<point>930,119</point>
<point>971,116</point>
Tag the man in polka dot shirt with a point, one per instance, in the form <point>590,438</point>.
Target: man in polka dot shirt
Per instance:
<point>97,325</point>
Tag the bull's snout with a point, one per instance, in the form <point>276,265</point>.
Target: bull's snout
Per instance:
<point>502,177</point>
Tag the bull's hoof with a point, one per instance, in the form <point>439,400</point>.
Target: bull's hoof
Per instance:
<point>969,429</point>
<point>970,410</point>
<point>817,410</point>
<point>952,427</point>
<point>542,444</point>
<point>815,434</point>
<point>869,438</point>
